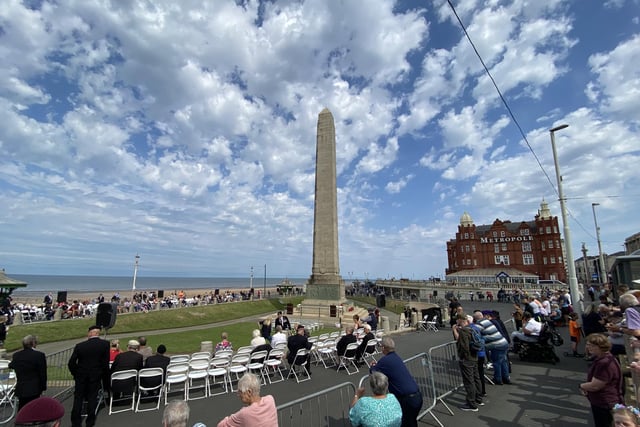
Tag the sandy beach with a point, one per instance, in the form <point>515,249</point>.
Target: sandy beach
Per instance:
<point>37,297</point>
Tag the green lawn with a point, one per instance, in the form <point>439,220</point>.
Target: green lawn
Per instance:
<point>136,323</point>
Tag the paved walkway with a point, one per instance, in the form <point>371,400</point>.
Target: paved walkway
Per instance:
<point>542,394</point>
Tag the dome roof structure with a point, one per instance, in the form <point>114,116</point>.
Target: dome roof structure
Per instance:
<point>465,219</point>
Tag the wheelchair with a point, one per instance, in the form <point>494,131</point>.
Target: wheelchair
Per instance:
<point>541,350</point>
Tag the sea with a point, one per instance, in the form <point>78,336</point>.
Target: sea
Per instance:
<point>44,284</point>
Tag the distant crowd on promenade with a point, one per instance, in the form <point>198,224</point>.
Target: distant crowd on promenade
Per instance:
<point>143,301</point>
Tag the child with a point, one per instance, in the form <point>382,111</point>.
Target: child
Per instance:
<point>574,332</point>
<point>625,416</point>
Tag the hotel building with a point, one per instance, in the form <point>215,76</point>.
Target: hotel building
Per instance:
<point>507,251</point>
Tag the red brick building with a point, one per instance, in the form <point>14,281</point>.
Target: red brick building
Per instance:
<point>534,247</point>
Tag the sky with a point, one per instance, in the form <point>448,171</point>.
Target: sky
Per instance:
<point>185,132</point>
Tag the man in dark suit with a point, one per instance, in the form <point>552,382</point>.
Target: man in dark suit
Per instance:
<point>346,339</point>
<point>283,321</point>
<point>295,343</point>
<point>31,371</point>
<point>158,360</point>
<point>129,359</point>
<point>89,365</point>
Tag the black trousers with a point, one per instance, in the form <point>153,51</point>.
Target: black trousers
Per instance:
<point>23,400</point>
<point>86,389</point>
<point>411,405</point>
<point>601,416</point>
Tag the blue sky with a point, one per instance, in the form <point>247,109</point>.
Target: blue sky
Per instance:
<point>185,131</point>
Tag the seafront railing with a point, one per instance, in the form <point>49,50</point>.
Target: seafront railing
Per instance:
<point>329,407</point>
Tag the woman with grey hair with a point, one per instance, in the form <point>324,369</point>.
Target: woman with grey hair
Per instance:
<point>259,410</point>
<point>380,410</point>
<point>176,414</point>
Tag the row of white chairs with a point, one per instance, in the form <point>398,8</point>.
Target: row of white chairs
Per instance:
<point>200,375</point>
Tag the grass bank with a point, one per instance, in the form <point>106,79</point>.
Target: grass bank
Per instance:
<point>70,329</point>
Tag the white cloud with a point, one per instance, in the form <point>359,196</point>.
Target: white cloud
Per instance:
<point>617,85</point>
<point>185,131</point>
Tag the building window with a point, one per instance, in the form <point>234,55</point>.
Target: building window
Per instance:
<point>504,247</point>
<point>526,246</point>
<point>542,245</point>
<point>496,248</point>
<point>466,235</point>
<point>555,229</point>
<point>467,248</point>
<point>557,244</point>
<point>472,236</point>
<point>548,230</point>
<point>541,230</point>
<point>502,259</point>
<point>550,244</point>
<point>544,260</point>
<point>524,231</point>
<point>502,234</point>
<point>473,248</point>
<point>553,260</point>
<point>559,260</point>
<point>468,262</point>
<point>475,262</point>
<point>527,259</point>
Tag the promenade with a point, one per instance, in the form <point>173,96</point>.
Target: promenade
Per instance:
<point>542,394</point>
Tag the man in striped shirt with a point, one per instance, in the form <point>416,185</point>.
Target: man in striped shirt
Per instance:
<point>497,345</point>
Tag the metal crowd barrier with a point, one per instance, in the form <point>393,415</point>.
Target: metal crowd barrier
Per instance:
<point>437,375</point>
<point>59,379</point>
<point>445,371</point>
<point>329,407</point>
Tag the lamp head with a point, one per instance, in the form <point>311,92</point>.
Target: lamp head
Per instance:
<point>559,127</point>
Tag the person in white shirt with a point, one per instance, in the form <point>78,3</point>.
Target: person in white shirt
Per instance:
<point>278,337</point>
<point>545,310</point>
<point>258,339</point>
<point>530,330</point>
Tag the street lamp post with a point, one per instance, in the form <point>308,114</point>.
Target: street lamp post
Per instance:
<point>133,285</point>
<point>604,276</point>
<point>573,281</point>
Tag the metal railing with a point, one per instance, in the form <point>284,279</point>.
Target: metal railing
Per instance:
<point>329,407</point>
<point>59,380</point>
<point>445,370</point>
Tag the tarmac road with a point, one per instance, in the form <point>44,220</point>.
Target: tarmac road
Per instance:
<point>543,395</point>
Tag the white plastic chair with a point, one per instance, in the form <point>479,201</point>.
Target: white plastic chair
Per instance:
<point>123,388</point>
<point>432,325</point>
<point>237,367</point>
<point>176,376</point>
<point>218,369</point>
<point>273,365</point>
<point>327,352</point>
<point>179,358</point>
<point>150,386</point>
<point>256,364</point>
<point>198,372</point>
<point>348,359</point>
<point>300,362</point>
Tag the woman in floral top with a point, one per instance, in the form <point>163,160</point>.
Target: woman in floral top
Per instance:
<point>224,344</point>
<point>380,410</point>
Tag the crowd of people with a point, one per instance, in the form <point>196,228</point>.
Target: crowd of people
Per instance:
<point>610,327</point>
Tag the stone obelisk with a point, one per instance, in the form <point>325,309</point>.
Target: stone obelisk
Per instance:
<point>325,286</point>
